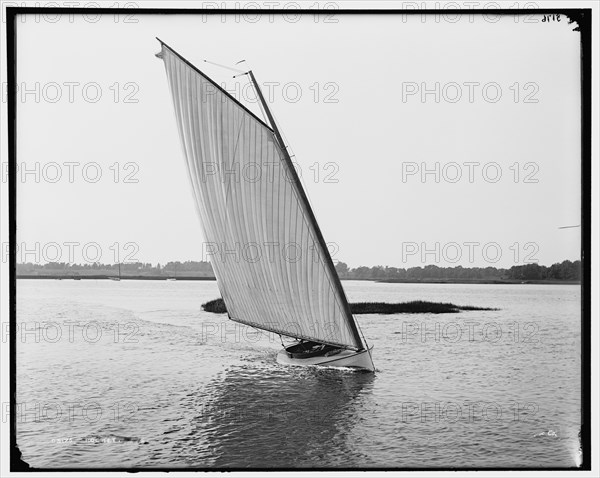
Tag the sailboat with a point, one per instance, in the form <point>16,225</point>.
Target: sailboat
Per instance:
<point>117,278</point>
<point>272,265</point>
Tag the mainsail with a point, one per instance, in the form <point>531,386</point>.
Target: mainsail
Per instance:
<point>272,266</point>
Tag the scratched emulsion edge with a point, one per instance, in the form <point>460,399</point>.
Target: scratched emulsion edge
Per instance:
<point>583,20</point>
<point>16,463</point>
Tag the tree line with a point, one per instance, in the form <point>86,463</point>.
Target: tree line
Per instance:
<point>170,269</point>
<point>566,270</point>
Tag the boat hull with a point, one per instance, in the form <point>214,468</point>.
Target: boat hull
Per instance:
<point>346,358</point>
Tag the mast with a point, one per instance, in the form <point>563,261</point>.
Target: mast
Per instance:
<point>311,217</point>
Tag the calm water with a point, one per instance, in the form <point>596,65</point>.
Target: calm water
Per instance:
<point>135,374</point>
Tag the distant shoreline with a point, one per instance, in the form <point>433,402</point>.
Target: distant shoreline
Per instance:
<point>477,281</point>
<point>105,277</point>
<point>385,281</point>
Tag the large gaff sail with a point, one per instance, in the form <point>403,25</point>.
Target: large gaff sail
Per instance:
<point>271,263</point>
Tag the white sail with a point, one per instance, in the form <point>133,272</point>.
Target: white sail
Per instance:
<point>270,261</point>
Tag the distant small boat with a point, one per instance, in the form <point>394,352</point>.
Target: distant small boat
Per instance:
<point>171,278</point>
<point>300,297</point>
<point>117,278</point>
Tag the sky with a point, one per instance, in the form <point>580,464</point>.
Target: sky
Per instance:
<point>420,140</point>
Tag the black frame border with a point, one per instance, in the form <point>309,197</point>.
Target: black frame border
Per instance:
<point>580,16</point>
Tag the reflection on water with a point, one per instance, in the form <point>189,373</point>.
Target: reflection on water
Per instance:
<point>307,413</point>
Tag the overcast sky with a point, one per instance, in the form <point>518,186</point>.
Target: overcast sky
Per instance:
<point>348,97</point>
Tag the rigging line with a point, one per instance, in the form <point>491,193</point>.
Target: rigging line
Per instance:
<point>262,110</point>
<point>365,341</point>
<point>287,145</point>
<point>223,66</point>
<point>242,73</point>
